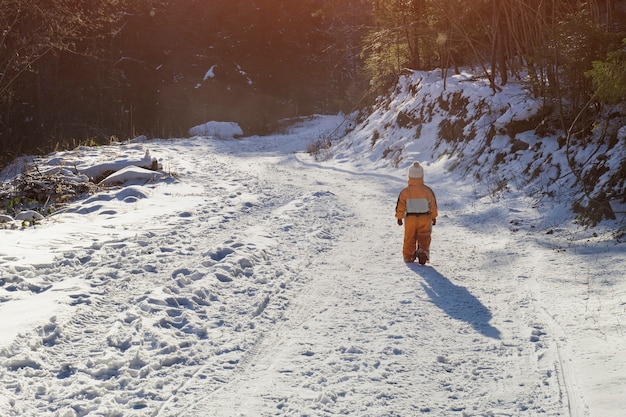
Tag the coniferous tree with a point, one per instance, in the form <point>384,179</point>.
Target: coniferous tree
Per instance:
<point>609,77</point>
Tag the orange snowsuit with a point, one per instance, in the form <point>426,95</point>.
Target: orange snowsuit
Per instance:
<point>417,205</point>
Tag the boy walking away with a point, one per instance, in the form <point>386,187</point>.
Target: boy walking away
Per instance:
<point>417,206</point>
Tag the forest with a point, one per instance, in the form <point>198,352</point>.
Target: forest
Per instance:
<point>88,72</point>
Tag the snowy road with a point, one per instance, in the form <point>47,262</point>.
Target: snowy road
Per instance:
<point>263,283</point>
<point>367,335</point>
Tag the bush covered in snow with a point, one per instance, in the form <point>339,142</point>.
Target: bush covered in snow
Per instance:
<point>41,191</point>
<point>34,188</point>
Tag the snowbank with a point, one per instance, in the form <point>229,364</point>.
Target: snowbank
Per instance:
<point>220,130</point>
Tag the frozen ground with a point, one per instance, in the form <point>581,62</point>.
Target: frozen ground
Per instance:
<point>247,279</point>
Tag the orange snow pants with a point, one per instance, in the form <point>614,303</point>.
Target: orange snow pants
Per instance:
<point>417,231</point>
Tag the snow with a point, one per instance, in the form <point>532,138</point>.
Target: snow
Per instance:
<point>220,130</point>
<point>210,73</point>
<point>250,278</point>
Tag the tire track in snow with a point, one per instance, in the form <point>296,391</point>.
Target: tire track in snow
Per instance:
<point>297,351</point>
<point>511,260</point>
<point>300,225</point>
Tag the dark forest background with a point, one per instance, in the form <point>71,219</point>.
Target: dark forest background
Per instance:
<point>87,71</point>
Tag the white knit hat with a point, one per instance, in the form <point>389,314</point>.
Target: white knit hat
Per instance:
<point>416,170</point>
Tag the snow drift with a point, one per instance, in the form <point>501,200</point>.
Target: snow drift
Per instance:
<point>220,130</point>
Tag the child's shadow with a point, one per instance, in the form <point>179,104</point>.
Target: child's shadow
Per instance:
<point>456,301</point>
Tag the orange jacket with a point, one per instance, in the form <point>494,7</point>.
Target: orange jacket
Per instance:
<point>417,198</point>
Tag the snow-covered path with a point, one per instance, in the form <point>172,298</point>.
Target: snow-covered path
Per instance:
<point>369,336</point>
<point>263,283</point>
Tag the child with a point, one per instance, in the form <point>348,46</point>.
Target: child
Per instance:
<point>417,205</point>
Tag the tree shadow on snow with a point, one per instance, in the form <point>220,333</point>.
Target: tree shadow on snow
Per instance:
<point>456,301</point>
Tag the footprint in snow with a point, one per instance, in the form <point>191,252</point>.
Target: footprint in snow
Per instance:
<point>220,254</point>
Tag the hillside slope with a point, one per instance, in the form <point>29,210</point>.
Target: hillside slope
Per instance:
<point>504,141</point>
